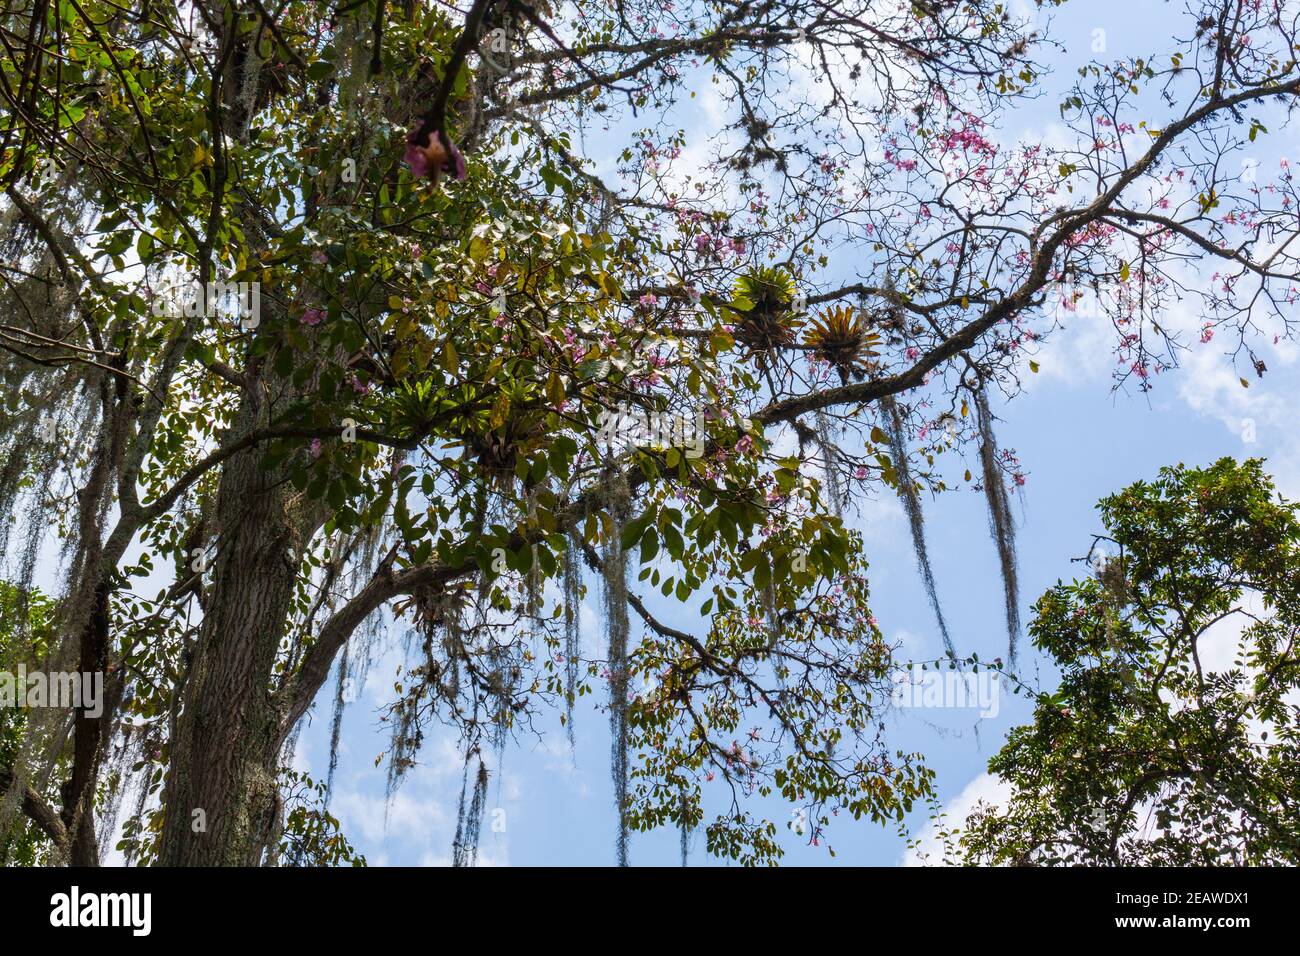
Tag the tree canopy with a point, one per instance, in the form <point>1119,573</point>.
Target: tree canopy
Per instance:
<point>1174,736</point>
<point>333,322</point>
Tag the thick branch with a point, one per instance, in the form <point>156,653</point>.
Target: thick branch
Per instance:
<point>386,584</point>
<point>37,810</point>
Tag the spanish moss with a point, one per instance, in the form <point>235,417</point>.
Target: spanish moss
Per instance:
<point>836,493</point>
<point>915,516</point>
<point>572,632</point>
<point>1001,526</point>
<point>684,829</point>
<point>469,817</point>
<point>336,722</point>
<point>616,621</point>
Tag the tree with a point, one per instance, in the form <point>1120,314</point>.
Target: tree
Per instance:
<point>25,633</point>
<point>1158,749</point>
<point>412,308</point>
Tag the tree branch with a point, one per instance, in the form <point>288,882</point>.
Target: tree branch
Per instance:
<point>37,810</point>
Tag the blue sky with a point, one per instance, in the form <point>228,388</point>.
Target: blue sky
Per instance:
<point>1078,440</point>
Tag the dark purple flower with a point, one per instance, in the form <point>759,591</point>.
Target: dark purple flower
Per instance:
<point>416,159</point>
<point>430,161</point>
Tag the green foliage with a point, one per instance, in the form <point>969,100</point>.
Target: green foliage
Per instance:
<point>814,736</point>
<point>25,632</point>
<point>1171,740</point>
<point>311,836</point>
<point>416,420</point>
<point>766,289</point>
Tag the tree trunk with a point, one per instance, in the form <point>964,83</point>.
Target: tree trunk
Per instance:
<point>221,782</point>
<point>224,757</point>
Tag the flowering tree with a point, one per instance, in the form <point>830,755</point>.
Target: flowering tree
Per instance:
<point>324,313</point>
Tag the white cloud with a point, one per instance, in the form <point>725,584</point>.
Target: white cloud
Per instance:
<point>928,850</point>
<point>407,819</point>
<point>910,644</point>
<point>1211,387</point>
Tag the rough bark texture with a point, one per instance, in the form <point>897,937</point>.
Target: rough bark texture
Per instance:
<point>224,757</point>
<point>79,813</point>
